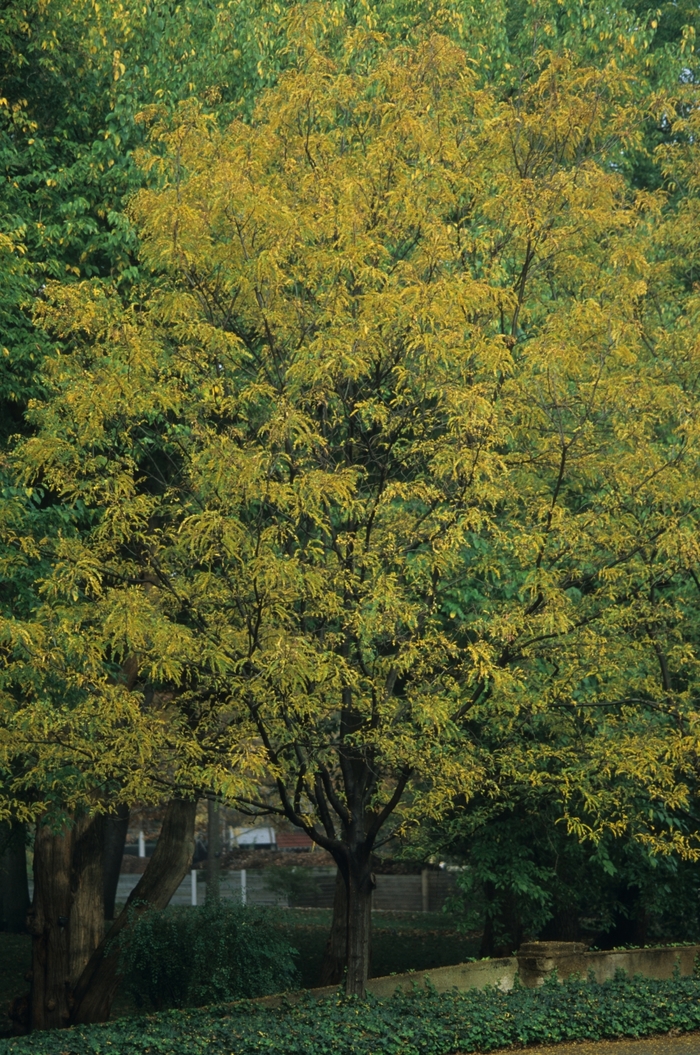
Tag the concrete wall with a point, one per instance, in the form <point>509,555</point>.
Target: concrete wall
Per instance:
<point>500,972</point>
<point>650,963</point>
<point>538,960</point>
<point>404,893</point>
<point>410,893</point>
<point>413,893</point>
<point>320,889</point>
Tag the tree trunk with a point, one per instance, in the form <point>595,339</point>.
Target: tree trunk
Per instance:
<point>213,851</point>
<point>360,887</point>
<point>14,889</point>
<point>116,825</point>
<point>166,869</point>
<point>487,942</point>
<point>86,928</point>
<point>563,926</point>
<point>503,931</point>
<point>48,924</point>
<point>335,954</point>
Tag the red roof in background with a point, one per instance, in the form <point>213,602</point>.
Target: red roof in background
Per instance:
<point>293,841</point>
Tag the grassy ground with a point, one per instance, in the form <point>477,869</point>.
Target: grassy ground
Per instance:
<point>401,941</point>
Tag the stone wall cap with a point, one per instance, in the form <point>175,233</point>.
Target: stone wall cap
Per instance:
<point>552,948</point>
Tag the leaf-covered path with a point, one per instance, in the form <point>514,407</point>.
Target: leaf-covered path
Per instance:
<point>689,1044</point>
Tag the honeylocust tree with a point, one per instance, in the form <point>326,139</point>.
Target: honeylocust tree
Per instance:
<point>373,466</point>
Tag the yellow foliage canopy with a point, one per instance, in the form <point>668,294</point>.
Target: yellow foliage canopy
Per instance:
<point>372,485</point>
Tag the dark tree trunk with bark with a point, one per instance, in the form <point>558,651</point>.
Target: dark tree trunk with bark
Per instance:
<point>335,954</point>
<point>345,800</point>
<point>351,929</point>
<point>66,919</point>
<point>360,887</point>
<point>14,888</point>
<point>86,927</point>
<point>486,943</point>
<point>166,869</point>
<point>48,921</point>
<point>630,920</point>
<point>116,825</point>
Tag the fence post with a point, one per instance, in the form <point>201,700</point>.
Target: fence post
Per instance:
<point>193,880</point>
<point>244,887</point>
<point>142,845</point>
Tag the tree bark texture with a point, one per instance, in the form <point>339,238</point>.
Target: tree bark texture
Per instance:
<point>86,927</point>
<point>335,953</point>
<point>48,924</point>
<point>360,887</point>
<point>98,984</point>
<point>116,825</point>
<point>14,889</point>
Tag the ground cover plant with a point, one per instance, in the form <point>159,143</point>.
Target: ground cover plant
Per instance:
<point>422,1022</point>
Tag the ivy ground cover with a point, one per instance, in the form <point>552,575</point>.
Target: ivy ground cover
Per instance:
<point>417,1023</point>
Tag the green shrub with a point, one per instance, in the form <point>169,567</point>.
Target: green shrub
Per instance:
<point>297,883</point>
<point>418,1023</point>
<point>187,957</point>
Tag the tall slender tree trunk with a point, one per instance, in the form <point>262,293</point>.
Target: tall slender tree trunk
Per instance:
<point>14,888</point>
<point>360,887</point>
<point>502,921</point>
<point>213,851</point>
<point>336,952</point>
<point>116,825</point>
<point>86,927</point>
<point>98,984</point>
<point>486,946</point>
<point>48,921</point>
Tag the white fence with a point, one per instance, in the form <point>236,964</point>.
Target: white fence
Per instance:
<point>313,888</point>
<point>248,887</point>
<point>405,893</point>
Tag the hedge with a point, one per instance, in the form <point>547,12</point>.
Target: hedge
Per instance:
<point>417,1023</point>
<point>189,957</point>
